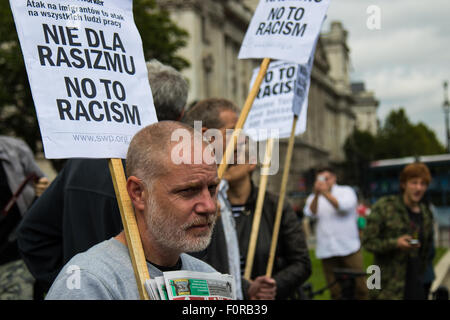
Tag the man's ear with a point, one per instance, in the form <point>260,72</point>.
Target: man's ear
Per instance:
<point>136,191</point>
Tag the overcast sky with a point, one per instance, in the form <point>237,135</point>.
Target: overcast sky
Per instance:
<point>404,62</point>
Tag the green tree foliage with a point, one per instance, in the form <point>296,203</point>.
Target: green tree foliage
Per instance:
<point>359,150</point>
<point>400,138</point>
<point>17,114</point>
<point>427,140</point>
<point>397,138</point>
<point>160,36</point>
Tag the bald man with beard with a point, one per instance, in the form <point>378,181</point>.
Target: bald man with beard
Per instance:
<point>175,207</point>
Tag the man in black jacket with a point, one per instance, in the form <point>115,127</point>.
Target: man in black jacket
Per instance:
<point>79,209</point>
<point>292,263</point>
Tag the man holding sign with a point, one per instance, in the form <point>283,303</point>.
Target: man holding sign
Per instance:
<point>80,209</point>
<point>293,266</point>
<point>227,256</point>
<point>175,208</point>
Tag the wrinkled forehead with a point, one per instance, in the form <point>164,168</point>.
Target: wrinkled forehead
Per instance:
<point>192,150</point>
<point>199,174</point>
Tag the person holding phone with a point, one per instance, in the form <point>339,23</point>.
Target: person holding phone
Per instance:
<point>399,233</point>
<point>338,244</point>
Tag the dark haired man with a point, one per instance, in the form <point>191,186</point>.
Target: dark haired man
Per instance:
<point>237,199</point>
<point>399,233</point>
<point>338,244</point>
<point>292,265</point>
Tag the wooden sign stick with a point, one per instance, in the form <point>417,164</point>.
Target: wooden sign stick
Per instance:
<point>130,226</point>
<point>243,116</point>
<point>284,180</point>
<point>258,210</point>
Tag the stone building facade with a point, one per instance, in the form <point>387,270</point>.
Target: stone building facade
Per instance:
<point>365,108</point>
<point>216,30</point>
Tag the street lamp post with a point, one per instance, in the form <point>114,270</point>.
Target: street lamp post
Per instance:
<point>446,107</point>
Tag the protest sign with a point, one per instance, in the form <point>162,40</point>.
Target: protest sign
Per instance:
<point>284,30</point>
<point>89,82</point>
<point>281,102</point>
<point>299,109</point>
<point>229,151</point>
<point>283,93</point>
<point>87,74</point>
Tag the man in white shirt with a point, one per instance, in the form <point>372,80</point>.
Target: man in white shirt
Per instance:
<point>338,244</point>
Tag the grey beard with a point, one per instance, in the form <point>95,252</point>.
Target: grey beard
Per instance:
<point>160,225</point>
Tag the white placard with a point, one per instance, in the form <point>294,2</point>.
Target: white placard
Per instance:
<point>284,30</point>
<point>284,90</point>
<point>87,74</point>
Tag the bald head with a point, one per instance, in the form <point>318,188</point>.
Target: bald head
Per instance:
<point>150,151</point>
<point>175,204</point>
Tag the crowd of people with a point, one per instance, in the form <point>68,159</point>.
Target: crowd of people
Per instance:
<point>189,219</point>
<point>398,232</point>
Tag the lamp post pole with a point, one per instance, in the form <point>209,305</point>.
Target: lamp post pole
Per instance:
<point>446,107</point>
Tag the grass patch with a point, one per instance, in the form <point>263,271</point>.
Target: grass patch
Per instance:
<point>439,254</point>
<point>317,278</point>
